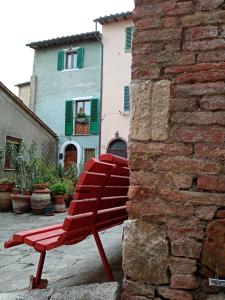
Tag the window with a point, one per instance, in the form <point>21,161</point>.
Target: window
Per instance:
<point>70,59</point>
<point>83,119</point>
<point>88,153</point>
<point>126,104</point>
<point>129,31</point>
<point>12,144</point>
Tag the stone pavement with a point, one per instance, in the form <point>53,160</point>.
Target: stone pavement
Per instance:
<point>66,266</point>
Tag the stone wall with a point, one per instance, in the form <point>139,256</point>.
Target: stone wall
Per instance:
<point>175,238</point>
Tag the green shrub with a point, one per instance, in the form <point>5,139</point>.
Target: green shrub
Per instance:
<point>9,179</point>
<point>59,188</point>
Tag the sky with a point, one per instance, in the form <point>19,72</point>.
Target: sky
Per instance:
<point>25,21</point>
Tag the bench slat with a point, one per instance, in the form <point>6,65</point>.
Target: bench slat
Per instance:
<point>109,214</point>
<point>74,235</point>
<point>98,179</point>
<point>19,236</point>
<point>110,223</point>
<point>86,205</point>
<point>96,166</point>
<point>110,158</point>
<point>47,244</point>
<point>30,240</point>
<point>87,192</point>
<point>77,221</point>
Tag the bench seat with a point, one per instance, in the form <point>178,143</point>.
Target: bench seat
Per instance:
<point>99,203</point>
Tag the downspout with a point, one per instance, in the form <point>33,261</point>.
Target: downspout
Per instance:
<point>101,87</point>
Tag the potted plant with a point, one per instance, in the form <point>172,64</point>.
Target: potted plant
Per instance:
<point>81,117</point>
<point>69,191</point>
<point>41,197</point>
<point>59,190</point>
<point>6,186</point>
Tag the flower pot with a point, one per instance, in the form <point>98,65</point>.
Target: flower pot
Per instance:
<point>59,201</point>
<point>40,186</point>
<point>40,199</point>
<point>7,187</point>
<point>20,203</point>
<point>5,201</point>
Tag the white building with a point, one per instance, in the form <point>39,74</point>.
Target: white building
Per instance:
<point>117,32</point>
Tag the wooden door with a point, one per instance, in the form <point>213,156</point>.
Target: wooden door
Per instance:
<point>70,156</point>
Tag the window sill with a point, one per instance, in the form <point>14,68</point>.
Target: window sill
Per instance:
<point>125,113</point>
<point>68,70</point>
<point>80,134</point>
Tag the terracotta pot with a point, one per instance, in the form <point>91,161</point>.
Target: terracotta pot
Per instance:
<point>5,201</point>
<point>40,199</point>
<point>20,203</point>
<point>59,203</point>
<point>7,187</point>
<point>40,186</point>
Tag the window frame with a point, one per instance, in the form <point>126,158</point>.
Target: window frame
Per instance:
<point>93,149</point>
<point>13,140</point>
<point>67,53</point>
<point>76,112</point>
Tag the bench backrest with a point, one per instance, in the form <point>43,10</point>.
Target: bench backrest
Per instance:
<point>100,197</point>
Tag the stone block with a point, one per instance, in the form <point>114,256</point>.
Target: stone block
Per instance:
<point>205,213</point>
<point>199,89</point>
<point>145,245</point>
<point>187,248</point>
<point>137,288</point>
<point>211,151</point>
<point>201,32</point>
<point>180,265</point>
<point>213,252</point>
<point>211,183</point>
<point>208,5</point>
<point>195,134</point>
<point>199,118</point>
<point>216,102</point>
<point>173,294</point>
<point>184,281</point>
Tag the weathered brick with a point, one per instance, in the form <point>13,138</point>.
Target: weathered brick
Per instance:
<point>150,71</point>
<point>156,179</point>
<point>173,8</point>
<point>173,294</point>
<point>180,265</point>
<point>205,213</point>
<point>195,68</point>
<point>187,248</point>
<point>156,149</point>
<point>208,5</point>
<point>216,102</point>
<point>148,23</point>
<point>211,183</point>
<point>201,32</point>
<point>159,35</point>
<point>204,45</point>
<point>184,281</point>
<point>199,118</point>
<point>199,89</point>
<point>203,18</point>
<point>211,56</point>
<point>178,230</point>
<point>199,198</point>
<point>153,207</point>
<point>170,22</point>
<point>187,165</point>
<point>194,134</point>
<point>183,104</point>
<point>220,214</point>
<point>210,75</point>
<point>213,151</point>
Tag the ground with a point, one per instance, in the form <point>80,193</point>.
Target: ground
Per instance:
<point>65,266</point>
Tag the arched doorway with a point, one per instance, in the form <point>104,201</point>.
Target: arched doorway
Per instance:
<point>118,147</point>
<point>70,156</point>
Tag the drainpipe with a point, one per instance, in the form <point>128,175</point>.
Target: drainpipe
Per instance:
<point>100,113</point>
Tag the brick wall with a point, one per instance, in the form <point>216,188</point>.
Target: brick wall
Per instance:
<point>175,238</point>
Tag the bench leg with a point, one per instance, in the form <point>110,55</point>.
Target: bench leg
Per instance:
<point>102,254</point>
<point>37,282</point>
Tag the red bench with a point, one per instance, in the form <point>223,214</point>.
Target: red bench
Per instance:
<point>99,203</point>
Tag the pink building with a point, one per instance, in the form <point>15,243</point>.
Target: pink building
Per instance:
<point>117,33</point>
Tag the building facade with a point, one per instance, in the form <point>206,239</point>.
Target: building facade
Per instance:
<point>66,92</point>
<point>24,92</point>
<point>19,124</point>
<point>117,32</point>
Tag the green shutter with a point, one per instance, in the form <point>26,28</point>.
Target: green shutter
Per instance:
<point>60,64</point>
<point>129,36</point>
<point>69,118</point>
<point>126,98</point>
<point>80,57</point>
<point>94,119</point>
